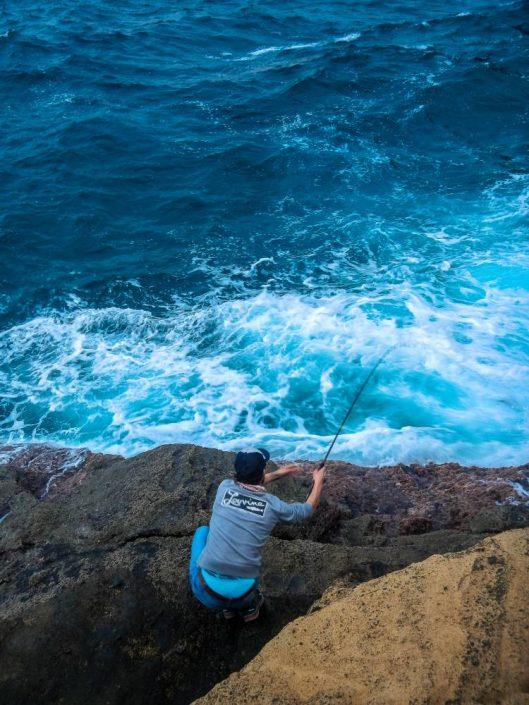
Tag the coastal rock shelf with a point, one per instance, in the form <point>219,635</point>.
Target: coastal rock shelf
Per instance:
<point>95,606</point>
<point>451,629</point>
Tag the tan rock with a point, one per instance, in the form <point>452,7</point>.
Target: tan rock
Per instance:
<point>453,629</point>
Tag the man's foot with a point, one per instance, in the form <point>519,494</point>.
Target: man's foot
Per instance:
<point>252,613</point>
<point>228,614</point>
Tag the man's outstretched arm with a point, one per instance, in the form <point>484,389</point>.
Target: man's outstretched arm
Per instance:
<point>318,478</point>
<point>292,512</point>
<point>282,472</point>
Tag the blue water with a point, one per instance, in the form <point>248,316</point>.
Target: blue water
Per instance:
<point>215,216</point>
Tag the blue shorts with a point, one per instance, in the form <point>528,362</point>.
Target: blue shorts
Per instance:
<point>241,603</point>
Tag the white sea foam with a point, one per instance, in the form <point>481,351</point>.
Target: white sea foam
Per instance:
<point>262,260</point>
<point>279,370</point>
<point>276,49</point>
<point>442,237</point>
<point>262,51</point>
<point>307,45</point>
<point>521,491</point>
<point>352,37</point>
<point>503,207</point>
<point>265,50</point>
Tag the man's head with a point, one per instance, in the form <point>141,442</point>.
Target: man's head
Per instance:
<point>250,464</point>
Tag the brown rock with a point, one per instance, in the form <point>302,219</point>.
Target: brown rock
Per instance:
<point>452,629</point>
<point>447,496</point>
<point>415,525</point>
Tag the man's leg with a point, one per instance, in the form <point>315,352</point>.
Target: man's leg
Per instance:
<point>199,542</point>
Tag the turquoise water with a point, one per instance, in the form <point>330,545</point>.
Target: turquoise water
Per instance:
<point>216,216</point>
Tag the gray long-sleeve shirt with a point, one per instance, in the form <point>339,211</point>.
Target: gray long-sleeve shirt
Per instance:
<point>241,522</point>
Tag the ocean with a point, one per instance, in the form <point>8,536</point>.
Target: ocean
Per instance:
<point>215,216</point>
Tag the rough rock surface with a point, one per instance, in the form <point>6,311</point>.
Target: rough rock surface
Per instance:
<point>453,629</point>
<point>415,499</point>
<point>94,602</point>
<point>42,470</point>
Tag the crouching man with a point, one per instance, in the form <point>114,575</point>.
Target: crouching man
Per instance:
<point>226,556</point>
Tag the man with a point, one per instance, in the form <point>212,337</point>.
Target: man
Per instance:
<point>226,556</point>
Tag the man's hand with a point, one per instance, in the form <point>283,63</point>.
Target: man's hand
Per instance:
<point>283,471</point>
<point>318,476</point>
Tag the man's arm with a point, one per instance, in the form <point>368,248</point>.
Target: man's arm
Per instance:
<point>318,478</point>
<point>282,472</point>
<point>292,512</point>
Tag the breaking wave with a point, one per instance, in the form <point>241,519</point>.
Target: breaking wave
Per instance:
<point>280,369</point>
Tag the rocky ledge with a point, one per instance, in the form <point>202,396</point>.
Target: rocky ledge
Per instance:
<point>451,630</point>
<point>94,550</point>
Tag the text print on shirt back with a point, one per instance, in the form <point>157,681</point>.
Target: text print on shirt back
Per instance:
<point>232,498</point>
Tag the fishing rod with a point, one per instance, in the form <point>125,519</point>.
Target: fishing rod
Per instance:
<point>353,403</point>
<point>352,406</point>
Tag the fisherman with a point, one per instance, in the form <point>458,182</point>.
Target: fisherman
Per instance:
<point>226,556</point>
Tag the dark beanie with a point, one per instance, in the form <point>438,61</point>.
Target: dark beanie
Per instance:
<point>250,464</point>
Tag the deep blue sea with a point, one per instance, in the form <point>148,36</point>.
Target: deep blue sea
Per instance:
<point>216,215</point>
